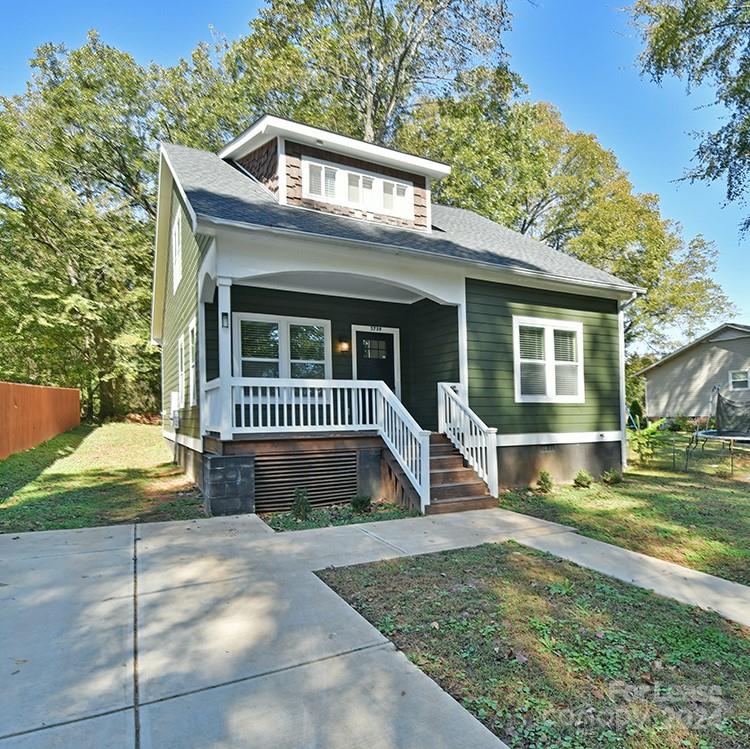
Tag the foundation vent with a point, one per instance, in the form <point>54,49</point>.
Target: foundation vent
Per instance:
<point>329,477</point>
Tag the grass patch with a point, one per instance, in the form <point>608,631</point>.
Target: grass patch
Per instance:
<point>116,473</point>
<point>335,515</point>
<point>697,519</point>
<point>548,654</point>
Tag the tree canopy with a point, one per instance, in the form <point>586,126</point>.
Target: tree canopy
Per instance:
<point>517,163</point>
<point>706,42</point>
<point>79,153</point>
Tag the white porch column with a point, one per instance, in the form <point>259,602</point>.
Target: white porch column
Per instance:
<point>224,287</point>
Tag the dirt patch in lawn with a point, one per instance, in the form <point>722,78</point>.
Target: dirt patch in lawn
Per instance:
<point>547,654</point>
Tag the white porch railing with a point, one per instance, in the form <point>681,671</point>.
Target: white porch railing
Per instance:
<point>471,436</point>
<point>268,405</point>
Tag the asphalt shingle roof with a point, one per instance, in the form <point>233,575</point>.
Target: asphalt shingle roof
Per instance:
<point>218,190</point>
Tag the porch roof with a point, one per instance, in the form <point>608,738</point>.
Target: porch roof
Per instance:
<point>216,191</point>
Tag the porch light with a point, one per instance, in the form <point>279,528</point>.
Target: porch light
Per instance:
<point>224,319</point>
<point>343,345</point>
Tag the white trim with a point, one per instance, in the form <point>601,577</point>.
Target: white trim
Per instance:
<point>557,438</point>
<point>269,126</point>
<point>194,443</point>
<point>623,402</point>
<point>183,194</point>
<point>192,367</point>
<point>463,347</point>
<point>549,326</point>
<point>542,279</point>
<point>281,169</point>
<point>341,188</point>
<point>175,246</point>
<point>284,347</point>
<point>396,333</point>
<point>746,372</point>
<point>428,198</point>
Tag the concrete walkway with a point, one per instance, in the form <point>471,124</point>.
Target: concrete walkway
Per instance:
<point>216,633</point>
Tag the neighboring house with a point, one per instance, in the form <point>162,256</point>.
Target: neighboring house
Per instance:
<point>681,383</point>
<point>320,317</point>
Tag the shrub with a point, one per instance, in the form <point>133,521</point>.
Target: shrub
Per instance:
<point>361,504</point>
<point>544,485</point>
<point>301,507</point>
<point>643,445</point>
<point>636,411</point>
<point>583,479</point>
<point>612,476</point>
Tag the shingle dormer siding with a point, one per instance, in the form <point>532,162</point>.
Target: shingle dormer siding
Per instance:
<point>263,164</point>
<point>296,151</point>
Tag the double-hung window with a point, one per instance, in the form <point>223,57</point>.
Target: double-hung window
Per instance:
<point>275,346</point>
<point>176,242</point>
<point>739,379</point>
<point>354,188</point>
<point>547,360</point>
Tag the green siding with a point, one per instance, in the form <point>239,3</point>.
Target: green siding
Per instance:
<point>180,308</point>
<point>490,309</point>
<point>428,337</point>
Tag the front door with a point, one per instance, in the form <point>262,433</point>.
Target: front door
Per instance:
<point>375,352</point>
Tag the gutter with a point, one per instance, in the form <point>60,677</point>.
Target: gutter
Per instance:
<point>398,250</point>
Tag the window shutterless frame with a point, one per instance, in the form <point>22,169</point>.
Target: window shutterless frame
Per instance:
<point>181,371</point>
<point>739,383</point>
<point>549,327</point>
<point>285,359</point>
<point>369,187</point>
<point>192,386</point>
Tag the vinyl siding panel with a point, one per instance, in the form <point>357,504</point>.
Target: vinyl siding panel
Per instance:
<point>180,308</point>
<point>490,310</point>
<point>682,386</point>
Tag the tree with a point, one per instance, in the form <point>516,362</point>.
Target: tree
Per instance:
<point>706,42</point>
<point>517,163</point>
<point>366,61</point>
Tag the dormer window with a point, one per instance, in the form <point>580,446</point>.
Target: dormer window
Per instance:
<point>354,188</point>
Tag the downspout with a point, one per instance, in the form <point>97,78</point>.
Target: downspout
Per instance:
<point>621,307</point>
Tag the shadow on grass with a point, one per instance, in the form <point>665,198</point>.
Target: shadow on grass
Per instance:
<point>100,497</point>
<point>21,469</point>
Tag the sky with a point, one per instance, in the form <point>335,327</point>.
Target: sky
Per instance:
<point>580,55</point>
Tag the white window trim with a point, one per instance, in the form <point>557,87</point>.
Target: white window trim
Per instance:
<point>342,172</point>
<point>284,348</point>
<point>191,368</point>
<point>176,241</point>
<point>549,327</point>
<point>181,371</point>
<point>746,372</point>
<point>396,333</point>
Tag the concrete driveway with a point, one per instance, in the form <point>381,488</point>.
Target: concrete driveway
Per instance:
<point>216,633</point>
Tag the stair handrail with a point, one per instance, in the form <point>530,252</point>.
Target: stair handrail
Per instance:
<point>469,434</point>
<point>407,441</point>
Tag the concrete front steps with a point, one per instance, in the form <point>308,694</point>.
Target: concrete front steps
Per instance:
<point>453,486</point>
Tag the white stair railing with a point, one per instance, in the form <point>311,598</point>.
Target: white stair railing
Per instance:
<point>267,405</point>
<point>469,434</point>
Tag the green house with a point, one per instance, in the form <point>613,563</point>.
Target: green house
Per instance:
<point>325,326</point>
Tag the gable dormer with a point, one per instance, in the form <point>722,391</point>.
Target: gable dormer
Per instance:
<point>316,169</point>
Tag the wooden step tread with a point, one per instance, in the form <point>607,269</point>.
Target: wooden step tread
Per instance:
<point>460,504</point>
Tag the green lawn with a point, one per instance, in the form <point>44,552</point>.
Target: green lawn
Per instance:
<point>549,655</point>
<point>700,519</point>
<point>336,515</point>
<point>116,473</point>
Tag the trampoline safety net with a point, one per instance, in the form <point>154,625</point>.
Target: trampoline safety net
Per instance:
<point>732,418</point>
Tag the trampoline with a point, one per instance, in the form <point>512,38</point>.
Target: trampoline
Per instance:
<point>732,426</point>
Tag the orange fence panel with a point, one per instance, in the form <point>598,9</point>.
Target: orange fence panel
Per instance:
<point>30,414</point>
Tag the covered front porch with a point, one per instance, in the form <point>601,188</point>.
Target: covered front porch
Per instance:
<point>296,355</point>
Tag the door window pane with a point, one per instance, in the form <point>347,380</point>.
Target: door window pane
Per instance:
<point>374,349</point>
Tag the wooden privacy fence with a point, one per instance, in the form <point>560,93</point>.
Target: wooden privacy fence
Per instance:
<point>30,414</point>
